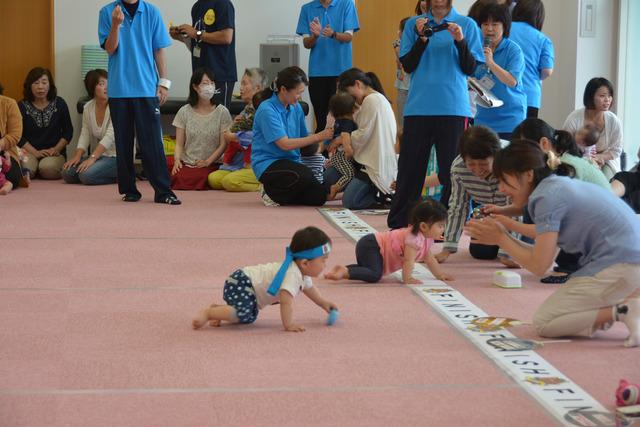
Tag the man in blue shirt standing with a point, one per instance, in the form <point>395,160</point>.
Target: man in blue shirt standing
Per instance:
<point>327,27</point>
<point>134,36</point>
<point>211,39</point>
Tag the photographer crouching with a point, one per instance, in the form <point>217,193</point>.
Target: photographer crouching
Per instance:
<point>441,48</point>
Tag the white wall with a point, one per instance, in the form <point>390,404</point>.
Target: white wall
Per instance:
<point>577,59</point>
<point>76,24</point>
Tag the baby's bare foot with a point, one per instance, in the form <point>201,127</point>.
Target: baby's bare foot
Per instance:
<point>202,318</point>
<point>338,272</point>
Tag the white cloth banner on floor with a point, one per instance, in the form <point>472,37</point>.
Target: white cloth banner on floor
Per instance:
<point>567,402</point>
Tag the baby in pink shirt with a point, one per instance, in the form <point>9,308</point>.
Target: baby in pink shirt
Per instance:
<point>383,253</point>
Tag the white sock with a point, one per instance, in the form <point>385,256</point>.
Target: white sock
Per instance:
<point>629,313</point>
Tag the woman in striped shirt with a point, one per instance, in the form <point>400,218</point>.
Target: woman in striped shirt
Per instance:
<point>472,180</point>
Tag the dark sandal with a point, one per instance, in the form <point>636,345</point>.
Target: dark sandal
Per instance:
<point>555,280</point>
<point>169,200</point>
<point>131,197</point>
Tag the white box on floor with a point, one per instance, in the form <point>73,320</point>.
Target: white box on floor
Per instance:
<point>507,279</point>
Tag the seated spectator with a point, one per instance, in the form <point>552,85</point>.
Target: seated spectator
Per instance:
<point>627,186</point>
<point>46,125</point>
<point>597,100</point>
<point>200,127</point>
<point>236,174</point>
<point>100,166</point>
<point>311,157</point>
<point>373,143</point>
<point>279,131</point>
<point>10,134</point>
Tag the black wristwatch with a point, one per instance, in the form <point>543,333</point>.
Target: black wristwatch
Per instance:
<point>334,35</point>
<point>199,35</point>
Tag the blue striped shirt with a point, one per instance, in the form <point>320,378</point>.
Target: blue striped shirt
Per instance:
<point>464,187</point>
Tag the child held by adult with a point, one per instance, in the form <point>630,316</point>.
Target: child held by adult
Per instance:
<point>380,254</point>
<point>250,289</point>
<point>342,107</point>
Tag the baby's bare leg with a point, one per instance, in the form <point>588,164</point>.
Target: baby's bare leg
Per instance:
<point>6,188</point>
<point>215,314</point>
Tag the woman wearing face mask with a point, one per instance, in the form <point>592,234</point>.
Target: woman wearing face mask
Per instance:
<point>200,127</point>
<point>597,99</point>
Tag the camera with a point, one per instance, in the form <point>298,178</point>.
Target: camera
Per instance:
<point>428,31</point>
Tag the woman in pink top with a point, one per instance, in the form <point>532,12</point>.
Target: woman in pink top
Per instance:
<point>383,253</point>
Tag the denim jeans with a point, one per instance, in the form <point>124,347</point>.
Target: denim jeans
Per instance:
<point>357,195</point>
<point>103,171</point>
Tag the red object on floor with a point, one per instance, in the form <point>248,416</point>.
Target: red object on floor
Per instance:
<point>189,178</point>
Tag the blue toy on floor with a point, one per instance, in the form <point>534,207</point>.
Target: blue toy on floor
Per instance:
<point>333,317</point>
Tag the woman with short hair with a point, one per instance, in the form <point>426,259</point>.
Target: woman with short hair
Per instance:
<point>46,125</point>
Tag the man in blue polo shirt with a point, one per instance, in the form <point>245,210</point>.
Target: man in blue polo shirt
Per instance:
<point>134,36</point>
<point>327,27</point>
<point>211,39</point>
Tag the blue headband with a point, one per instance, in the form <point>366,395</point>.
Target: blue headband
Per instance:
<point>290,256</point>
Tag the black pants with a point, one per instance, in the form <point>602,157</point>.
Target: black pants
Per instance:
<point>485,252</point>
<point>139,117</point>
<point>420,134</point>
<point>15,173</point>
<point>226,90</point>
<point>631,182</point>
<point>532,112</point>
<point>290,183</point>
<point>321,89</point>
<point>567,263</point>
<point>369,265</point>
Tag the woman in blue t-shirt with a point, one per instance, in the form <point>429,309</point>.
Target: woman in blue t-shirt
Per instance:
<point>578,217</point>
<point>526,31</point>
<point>437,110</point>
<point>279,131</point>
<point>502,72</point>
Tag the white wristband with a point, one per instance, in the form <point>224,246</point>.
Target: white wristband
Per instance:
<point>165,83</point>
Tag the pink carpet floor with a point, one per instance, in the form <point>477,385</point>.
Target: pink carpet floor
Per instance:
<point>97,296</point>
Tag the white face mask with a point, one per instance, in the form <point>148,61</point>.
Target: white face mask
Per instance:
<point>207,91</point>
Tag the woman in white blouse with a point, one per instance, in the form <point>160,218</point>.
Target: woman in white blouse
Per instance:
<point>200,127</point>
<point>100,166</point>
<point>373,143</point>
<point>598,98</point>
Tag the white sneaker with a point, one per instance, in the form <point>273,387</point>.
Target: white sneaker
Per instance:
<point>266,199</point>
<point>632,319</point>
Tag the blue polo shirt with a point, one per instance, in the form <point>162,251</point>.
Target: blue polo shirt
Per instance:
<point>132,67</point>
<point>329,57</point>
<point>505,118</point>
<point>438,86</point>
<point>271,123</point>
<point>589,220</point>
<point>538,54</point>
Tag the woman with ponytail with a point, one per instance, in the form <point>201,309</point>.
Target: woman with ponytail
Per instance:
<point>561,149</point>
<point>578,217</point>
<point>279,131</point>
<point>373,142</point>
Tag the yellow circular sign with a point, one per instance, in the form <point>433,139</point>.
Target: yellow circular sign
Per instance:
<point>210,17</point>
